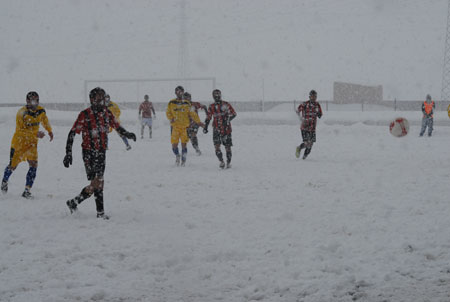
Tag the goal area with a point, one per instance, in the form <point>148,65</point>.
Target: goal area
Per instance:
<point>158,89</point>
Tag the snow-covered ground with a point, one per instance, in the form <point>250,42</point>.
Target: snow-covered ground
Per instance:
<point>364,218</point>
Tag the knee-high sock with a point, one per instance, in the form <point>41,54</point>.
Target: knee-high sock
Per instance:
<point>31,176</point>
<point>194,142</point>
<point>308,150</point>
<point>228,156</point>
<point>7,174</point>
<point>99,200</point>
<point>175,151</point>
<point>183,154</point>
<point>302,145</point>
<point>219,155</point>
<point>82,196</point>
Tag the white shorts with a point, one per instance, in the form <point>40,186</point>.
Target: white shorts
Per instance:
<point>146,121</point>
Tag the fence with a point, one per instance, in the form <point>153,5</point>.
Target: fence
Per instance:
<point>259,106</point>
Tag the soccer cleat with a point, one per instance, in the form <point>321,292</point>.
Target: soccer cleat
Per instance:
<point>4,186</point>
<point>128,147</point>
<point>183,162</point>
<point>198,152</point>
<point>297,151</point>
<point>304,156</point>
<point>177,160</point>
<point>103,216</point>
<point>71,204</point>
<point>222,165</point>
<point>228,165</point>
<point>27,194</point>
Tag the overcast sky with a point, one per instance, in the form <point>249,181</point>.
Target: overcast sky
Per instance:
<point>276,50</point>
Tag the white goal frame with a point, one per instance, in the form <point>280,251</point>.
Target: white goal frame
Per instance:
<point>141,81</point>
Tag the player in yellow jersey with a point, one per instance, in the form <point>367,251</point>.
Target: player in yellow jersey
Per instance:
<point>179,114</point>
<point>114,108</point>
<point>25,140</point>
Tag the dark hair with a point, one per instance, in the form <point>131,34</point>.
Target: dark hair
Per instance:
<point>179,88</point>
<point>94,92</point>
<point>32,94</point>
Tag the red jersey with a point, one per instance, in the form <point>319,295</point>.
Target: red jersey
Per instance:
<point>309,111</point>
<point>222,112</point>
<point>94,127</point>
<point>146,108</point>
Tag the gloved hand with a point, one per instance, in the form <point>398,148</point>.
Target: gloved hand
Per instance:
<point>130,135</point>
<point>67,160</point>
<point>205,130</point>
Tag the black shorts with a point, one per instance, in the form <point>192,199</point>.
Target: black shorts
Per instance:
<point>224,139</point>
<point>192,130</point>
<point>94,163</point>
<point>309,136</point>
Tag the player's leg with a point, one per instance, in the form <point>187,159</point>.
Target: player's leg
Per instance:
<point>227,142</point>
<point>430,126</point>
<point>13,162</point>
<point>184,140</point>
<point>86,192</point>
<point>31,176</point>
<point>174,139</point>
<point>424,126</point>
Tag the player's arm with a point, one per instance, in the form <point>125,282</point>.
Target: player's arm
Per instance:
<point>20,124</point>
<point>47,126</point>
<point>207,119</point>
<point>153,109</point>
<point>231,113</point>
<point>130,135</point>
<point>319,112</point>
<point>169,113</point>
<point>194,116</point>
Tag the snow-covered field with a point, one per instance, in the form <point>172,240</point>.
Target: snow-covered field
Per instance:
<point>365,218</point>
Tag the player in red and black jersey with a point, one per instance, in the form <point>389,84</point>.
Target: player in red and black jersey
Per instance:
<point>309,111</point>
<point>94,124</point>
<point>223,113</point>
<point>193,127</point>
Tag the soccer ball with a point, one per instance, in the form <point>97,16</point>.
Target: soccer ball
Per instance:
<point>399,127</point>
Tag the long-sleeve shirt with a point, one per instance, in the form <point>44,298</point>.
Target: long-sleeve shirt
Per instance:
<point>27,125</point>
<point>179,113</point>
<point>94,127</point>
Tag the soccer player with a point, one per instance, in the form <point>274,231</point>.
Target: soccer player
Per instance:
<point>25,140</point>
<point>179,114</point>
<point>223,113</point>
<point>145,116</point>
<point>114,108</point>
<point>309,111</point>
<point>193,127</point>
<point>94,123</point>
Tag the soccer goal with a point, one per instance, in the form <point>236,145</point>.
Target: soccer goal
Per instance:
<point>158,89</point>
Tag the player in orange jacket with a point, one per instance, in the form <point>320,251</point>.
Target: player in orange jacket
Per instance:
<point>427,120</point>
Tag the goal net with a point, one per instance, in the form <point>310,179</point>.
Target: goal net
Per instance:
<point>159,90</point>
